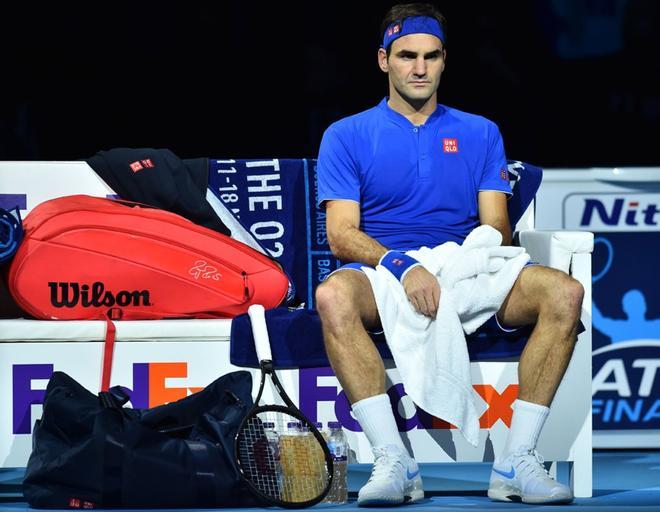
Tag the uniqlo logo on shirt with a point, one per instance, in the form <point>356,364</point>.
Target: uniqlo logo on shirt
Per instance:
<point>450,145</point>
<point>136,166</point>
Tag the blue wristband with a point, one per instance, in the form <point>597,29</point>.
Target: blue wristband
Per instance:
<point>398,263</point>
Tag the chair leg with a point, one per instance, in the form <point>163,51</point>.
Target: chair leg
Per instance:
<point>581,482</point>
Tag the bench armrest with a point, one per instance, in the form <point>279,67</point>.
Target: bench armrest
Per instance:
<point>556,249</point>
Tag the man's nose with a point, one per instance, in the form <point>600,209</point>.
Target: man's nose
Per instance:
<point>420,66</point>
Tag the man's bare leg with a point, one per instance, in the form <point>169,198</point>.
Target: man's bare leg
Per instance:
<point>347,308</point>
<point>552,301</point>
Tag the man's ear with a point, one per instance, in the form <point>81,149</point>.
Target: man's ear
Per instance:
<point>382,60</point>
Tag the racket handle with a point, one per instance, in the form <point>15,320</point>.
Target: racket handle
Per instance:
<point>257,315</point>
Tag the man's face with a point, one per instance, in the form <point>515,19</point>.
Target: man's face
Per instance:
<point>414,67</point>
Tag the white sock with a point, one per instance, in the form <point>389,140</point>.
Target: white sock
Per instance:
<point>377,421</point>
<point>526,424</point>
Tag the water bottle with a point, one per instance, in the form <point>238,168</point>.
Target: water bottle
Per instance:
<point>292,478</point>
<point>273,440</point>
<point>316,468</point>
<point>324,434</point>
<point>274,450</point>
<point>338,446</point>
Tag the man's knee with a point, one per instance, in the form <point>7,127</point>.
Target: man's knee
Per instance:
<point>565,298</point>
<point>575,291</point>
<point>341,301</point>
<point>335,299</point>
<point>330,295</point>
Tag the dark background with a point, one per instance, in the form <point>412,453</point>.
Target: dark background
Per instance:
<point>569,82</point>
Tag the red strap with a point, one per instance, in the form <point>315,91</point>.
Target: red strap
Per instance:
<point>108,351</point>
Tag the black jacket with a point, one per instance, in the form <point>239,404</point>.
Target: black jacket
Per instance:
<point>157,177</point>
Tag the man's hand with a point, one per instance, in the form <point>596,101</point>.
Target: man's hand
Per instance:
<point>423,290</point>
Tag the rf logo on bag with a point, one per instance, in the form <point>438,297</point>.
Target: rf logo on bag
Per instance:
<point>202,270</point>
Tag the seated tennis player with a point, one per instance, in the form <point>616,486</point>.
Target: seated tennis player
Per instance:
<point>410,173</point>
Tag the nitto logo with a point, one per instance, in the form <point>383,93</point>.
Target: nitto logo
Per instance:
<point>629,212</point>
<point>69,295</point>
<point>615,214</point>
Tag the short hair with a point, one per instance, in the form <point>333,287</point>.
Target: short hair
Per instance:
<point>399,12</point>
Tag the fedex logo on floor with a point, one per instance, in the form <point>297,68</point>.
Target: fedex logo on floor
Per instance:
<point>312,394</point>
<point>148,390</point>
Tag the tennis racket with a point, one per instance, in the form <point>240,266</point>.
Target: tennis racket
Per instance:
<point>280,453</point>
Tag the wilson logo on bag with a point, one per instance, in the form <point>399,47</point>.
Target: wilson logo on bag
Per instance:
<point>83,256</point>
<point>69,295</point>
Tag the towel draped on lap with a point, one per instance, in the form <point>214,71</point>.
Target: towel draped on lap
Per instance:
<point>431,354</point>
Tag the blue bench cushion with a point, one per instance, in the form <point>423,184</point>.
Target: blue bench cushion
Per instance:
<point>276,201</point>
<point>296,341</point>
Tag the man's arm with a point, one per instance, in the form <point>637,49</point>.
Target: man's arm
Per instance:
<point>346,240</point>
<point>493,211</point>
<point>348,243</point>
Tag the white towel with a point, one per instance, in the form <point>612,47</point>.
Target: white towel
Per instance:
<point>431,355</point>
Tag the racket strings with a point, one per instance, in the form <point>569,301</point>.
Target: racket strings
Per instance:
<point>282,459</point>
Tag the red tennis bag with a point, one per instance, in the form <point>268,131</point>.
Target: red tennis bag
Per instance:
<point>84,256</point>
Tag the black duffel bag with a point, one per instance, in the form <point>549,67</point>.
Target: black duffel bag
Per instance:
<point>91,452</point>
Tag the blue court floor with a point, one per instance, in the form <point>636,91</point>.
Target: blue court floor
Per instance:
<point>623,481</point>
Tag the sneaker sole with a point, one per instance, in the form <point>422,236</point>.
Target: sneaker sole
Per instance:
<point>413,497</point>
<point>509,495</point>
<point>538,501</point>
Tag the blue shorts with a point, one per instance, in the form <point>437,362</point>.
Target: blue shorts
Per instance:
<point>491,324</point>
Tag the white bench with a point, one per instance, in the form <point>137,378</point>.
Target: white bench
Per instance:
<point>165,360</point>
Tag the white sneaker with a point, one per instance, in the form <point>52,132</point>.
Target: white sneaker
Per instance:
<point>394,479</point>
<point>522,477</point>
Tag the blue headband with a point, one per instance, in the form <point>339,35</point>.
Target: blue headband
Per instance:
<point>412,25</point>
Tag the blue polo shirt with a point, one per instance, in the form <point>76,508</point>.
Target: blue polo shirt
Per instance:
<point>416,185</point>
